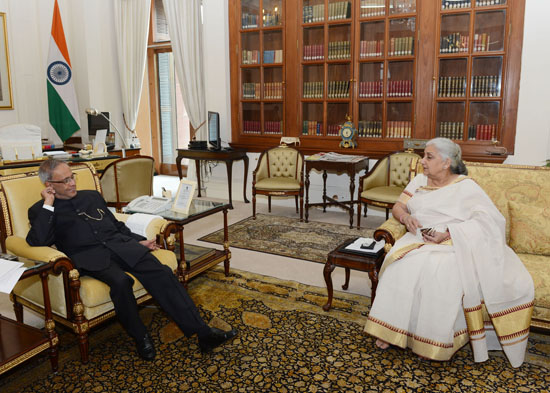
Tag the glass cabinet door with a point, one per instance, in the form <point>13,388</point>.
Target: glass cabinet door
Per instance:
<point>450,120</point>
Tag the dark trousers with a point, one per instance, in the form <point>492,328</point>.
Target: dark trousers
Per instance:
<point>161,283</point>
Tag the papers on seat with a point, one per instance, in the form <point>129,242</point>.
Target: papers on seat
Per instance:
<point>138,223</point>
<point>365,246</point>
<point>335,157</point>
<point>10,272</point>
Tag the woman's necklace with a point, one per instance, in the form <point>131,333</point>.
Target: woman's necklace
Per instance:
<point>101,215</point>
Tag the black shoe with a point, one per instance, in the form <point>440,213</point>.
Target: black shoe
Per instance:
<point>215,338</point>
<point>145,348</point>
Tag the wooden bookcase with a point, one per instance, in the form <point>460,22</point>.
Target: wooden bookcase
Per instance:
<point>400,68</point>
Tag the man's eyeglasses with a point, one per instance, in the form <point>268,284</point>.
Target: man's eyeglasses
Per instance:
<point>67,180</point>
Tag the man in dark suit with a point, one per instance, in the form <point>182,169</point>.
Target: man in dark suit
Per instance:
<point>80,224</point>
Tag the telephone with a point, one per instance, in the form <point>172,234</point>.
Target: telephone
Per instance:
<point>149,204</point>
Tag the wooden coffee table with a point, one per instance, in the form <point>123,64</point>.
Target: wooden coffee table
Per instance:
<point>364,263</point>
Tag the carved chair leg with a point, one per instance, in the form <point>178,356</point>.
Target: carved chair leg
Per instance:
<point>296,200</point>
<point>17,309</point>
<point>80,323</point>
<point>269,203</point>
<point>387,213</point>
<point>253,205</point>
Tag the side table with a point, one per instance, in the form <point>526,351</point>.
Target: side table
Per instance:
<point>351,167</point>
<point>20,342</point>
<point>364,263</point>
<point>225,155</point>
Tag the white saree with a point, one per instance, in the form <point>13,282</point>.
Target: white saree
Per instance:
<point>434,298</point>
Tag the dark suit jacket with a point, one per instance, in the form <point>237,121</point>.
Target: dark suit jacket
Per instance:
<point>86,230</point>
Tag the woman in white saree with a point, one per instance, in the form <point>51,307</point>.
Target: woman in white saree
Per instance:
<point>451,278</point>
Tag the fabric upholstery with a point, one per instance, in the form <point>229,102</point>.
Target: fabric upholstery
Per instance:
<point>388,194</point>
<point>529,228</point>
<point>128,178</point>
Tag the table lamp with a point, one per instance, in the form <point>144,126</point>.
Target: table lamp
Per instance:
<point>95,112</point>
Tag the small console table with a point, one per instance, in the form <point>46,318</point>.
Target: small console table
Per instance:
<point>351,167</point>
<point>225,155</point>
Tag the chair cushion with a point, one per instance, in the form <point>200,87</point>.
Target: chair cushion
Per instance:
<point>529,228</point>
<point>93,293</point>
<point>383,194</point>
<point>283,162</point>
<point>538,265</point>
<point>278,184</point>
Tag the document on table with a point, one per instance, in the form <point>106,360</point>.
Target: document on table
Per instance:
<point>10,272</point>
<point>364,245</point>
<point>335,157</point>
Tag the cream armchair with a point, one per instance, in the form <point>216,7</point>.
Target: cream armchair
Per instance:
<point>77,302</point>
<point>280,172</point>
<point>126,179</point>
<point>384,183</point>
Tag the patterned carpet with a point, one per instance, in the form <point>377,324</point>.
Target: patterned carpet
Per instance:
<point>289,237</point>
<point>286,344</point>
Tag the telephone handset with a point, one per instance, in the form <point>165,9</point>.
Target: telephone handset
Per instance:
<point>149,204</point>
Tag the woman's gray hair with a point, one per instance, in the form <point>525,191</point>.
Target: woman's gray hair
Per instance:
<point>448,149</point>
<point>46,169</point>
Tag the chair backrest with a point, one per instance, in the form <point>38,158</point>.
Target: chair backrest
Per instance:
<point>402,168</point>
<point>19,192</point>
<point>126,179</point>
<point>280,161</point>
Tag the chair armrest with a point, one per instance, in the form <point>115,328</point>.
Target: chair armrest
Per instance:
<point>390,231</point>
<point>377,177</point>
<point>18,246</point>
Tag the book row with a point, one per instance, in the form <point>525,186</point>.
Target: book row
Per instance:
<point>401,88</point>
<point>311,127</point>
<point>485,86</point>
<point>481,42</point>
<point>250,57</point>
<point>273,127</point>
<point>451,129</point>
<point>251,126</point>
<point>333,129</point>
<point>371,89</point>
<point>339,50</point>
<point>450,4</point>
<point>371,48</point>
<point>249,21</point>
<point>483,132</point>
<point>273,90</point>
<point>251,91</point>
<point>314,13</point>
<point>369,128</point>
<point>338,89</point>
<point>452,86</point>
<point>339,10</point>
<point>402,6</point>
<point>313,90</point>
<point>314,52</point>
<point>273,56</point>
<point>454,43</point>
<point>271,19</point>
<point>398,129</point>
<point>373,7</point>
<point>401,46</point>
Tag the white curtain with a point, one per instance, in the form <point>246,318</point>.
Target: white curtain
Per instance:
<point>185,28</point>
<point>132,29</point>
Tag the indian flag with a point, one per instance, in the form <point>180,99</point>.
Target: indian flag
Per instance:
<point>62,104</point>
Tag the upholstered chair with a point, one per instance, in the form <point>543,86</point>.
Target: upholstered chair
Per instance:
<point>280,172</point>
<point>126,179</point>
<point>77,302</point>
<point>384,183</point>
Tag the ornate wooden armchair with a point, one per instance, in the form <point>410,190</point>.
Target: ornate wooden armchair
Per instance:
<point>77,302</point>
<point>384,183</point>
<point>280,172</point>
<point>126,179</point>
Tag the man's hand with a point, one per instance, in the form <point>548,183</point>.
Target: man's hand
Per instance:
<point>150,244</point>
<point>48,194</point>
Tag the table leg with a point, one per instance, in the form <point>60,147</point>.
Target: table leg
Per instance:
<point>225,243</point>
<point>346,283</point>
<point>327,271</point>
<point>373,275</point>
<point>229,167</point>
<point>324,191</point>
<point>198,169</point>
<point>307,194</point>
<point>178,165</point>
<point>351,191</point>
<point>245,159</point>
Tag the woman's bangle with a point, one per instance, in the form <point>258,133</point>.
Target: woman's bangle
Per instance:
<point>402,218</point>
